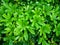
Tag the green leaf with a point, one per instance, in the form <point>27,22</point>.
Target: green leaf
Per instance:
<point>5,16</point>
<point>41,32</point>
<point>48,1</point>
<point>32,31</point>
<point>7,30</point>
<point>46,28</point>
<point>44,43</point>
<point>26,35</point>
<point>10,42</point>
<point>58,30</point>
<point>17,38</point>
<point>40,40</point>
<point>5,39</point>
<point>44,35</point>
<point>16,31</point>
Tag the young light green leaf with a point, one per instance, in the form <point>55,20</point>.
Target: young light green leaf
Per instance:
<point>26,35</point>
<point>31,31</point>
<point>10,42</point>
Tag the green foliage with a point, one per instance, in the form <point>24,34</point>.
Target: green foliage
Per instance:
<point>28,22</point>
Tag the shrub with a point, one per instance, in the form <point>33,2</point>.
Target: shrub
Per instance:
<point>29,22</point>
